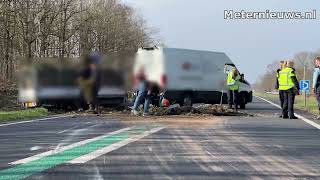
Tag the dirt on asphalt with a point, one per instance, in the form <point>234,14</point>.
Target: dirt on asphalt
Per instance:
<point>201,115</point>
<point>174,121</point>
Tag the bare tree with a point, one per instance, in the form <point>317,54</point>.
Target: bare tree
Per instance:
<point>66,28</point>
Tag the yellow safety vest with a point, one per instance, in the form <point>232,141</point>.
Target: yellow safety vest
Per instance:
<point>285,79</point>
<point>233,84</point>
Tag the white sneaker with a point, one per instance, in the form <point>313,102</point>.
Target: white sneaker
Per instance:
<point>145,114</point>
<point>135,112</point>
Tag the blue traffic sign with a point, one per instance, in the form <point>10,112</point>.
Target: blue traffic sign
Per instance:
<point>305,85</point>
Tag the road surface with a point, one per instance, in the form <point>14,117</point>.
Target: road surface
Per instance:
<point>107,147</point>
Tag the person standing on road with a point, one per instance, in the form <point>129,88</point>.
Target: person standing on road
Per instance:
<point>316,83</point>
<point>281,93</point>
<point>89,82</point>
<point>289,84</point>
<point>233,82</point>
<point>143,94</point>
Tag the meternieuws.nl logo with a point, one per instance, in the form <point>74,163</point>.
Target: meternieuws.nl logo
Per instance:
<point>231,14</point>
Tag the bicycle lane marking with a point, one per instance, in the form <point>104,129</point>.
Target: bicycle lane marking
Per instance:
<point>42,163</point>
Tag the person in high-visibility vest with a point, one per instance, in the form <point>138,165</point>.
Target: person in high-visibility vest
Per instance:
<point>281,95</point>
<point>316,83</point>
<point>233,82</point>
<point>289,86</point>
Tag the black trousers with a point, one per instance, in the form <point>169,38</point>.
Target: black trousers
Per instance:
<point>233,98</point>
<point>288,102</point>
<point>281,98</point>
<point>317,94</point>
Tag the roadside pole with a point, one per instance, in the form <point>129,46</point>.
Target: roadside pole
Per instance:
<point>305,87</point>
<point>221,100</point>
<point>305,100</point>
<point>305,92</point>
<point>304,84</point>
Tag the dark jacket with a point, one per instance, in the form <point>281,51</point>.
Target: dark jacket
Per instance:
<point>276,86</point>
<point>295,80</point>
<point>87,73</point>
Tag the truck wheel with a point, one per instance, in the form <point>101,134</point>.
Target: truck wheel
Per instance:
<point>243,103</point>
<point>187,101</point>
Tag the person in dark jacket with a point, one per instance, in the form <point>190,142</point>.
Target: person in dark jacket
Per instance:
<point>89,82</point>
<point>316,83</point>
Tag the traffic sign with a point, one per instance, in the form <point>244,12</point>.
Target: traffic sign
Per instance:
<point>305,85</point>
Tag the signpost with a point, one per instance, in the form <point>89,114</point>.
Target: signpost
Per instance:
<point>305,87</point>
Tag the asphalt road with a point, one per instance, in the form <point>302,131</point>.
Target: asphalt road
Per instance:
<point>105,147</point>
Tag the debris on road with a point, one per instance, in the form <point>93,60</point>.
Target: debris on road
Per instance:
<point>208,109</point>
<point>176,109</point>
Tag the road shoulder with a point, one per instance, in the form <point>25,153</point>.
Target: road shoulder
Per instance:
<point>302,115</point>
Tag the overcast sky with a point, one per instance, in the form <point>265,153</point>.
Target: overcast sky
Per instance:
<point>251,44</point>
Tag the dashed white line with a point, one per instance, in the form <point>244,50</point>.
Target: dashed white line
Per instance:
<point>298,116</point>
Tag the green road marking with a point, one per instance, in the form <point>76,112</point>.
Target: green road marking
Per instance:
<point>25,170</point>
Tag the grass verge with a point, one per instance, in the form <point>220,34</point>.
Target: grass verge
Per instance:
<point>312,105</point>
<point>23,114</point>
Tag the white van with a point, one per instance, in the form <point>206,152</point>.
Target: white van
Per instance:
<point>189,76</point>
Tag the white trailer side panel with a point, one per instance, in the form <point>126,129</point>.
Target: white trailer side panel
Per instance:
<point>195,70</point>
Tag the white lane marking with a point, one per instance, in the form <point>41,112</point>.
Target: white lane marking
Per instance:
<point>35,148</point>
<point>112,147</point>
<point>298,116</point>
<point>308,121</point>
<point>51,152</point>
<point>276,105</point>
<point>75,127</point>
<point>35,120</point>
<point>71,136</point>
<point>61,132</point>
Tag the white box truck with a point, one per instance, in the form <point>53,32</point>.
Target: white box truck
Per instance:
<point>189,76</point>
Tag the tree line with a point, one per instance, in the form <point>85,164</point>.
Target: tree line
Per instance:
<point>304,65</point>
<point>66,28</point>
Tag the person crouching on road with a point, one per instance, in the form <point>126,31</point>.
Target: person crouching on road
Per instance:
<point>289,84</point>
<point>281,93</point>
<point>143,94</point>
<point>316,83</point>
<point>233,82</point>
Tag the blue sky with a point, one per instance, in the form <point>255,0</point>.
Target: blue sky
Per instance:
<point>251,44</point>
